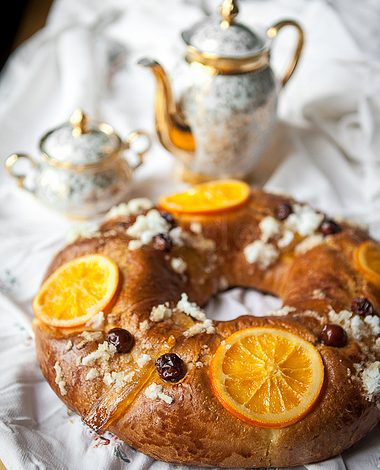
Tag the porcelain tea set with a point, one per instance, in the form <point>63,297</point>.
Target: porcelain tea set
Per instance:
<point>217,128</point>
<point>82,170</point>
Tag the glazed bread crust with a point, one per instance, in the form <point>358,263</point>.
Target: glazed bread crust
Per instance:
<point>195,428</point>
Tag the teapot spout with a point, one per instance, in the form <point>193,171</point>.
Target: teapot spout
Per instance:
<point>174,134</point>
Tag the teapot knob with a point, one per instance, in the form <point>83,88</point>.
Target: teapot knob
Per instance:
<point>229,10</point>
<point>79,121</point>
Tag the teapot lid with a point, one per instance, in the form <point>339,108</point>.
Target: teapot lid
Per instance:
<point>221,36</point>
<point>79,142</point>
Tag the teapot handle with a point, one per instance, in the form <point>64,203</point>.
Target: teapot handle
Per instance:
<point>133,141</point>
<point>272,33</point>
<point>11,161</point>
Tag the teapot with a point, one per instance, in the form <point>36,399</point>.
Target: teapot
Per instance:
<point>81,171</point>
<point>226,113</point>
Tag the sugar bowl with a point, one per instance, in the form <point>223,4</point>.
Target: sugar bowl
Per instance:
<point>82,169</point>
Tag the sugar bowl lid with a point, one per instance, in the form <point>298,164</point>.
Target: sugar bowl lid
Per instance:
<point>221,36</point>
<point>79,142</point>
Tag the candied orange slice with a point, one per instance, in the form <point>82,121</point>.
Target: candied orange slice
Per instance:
<point>367,260</point>
<point>206,198</point>
<point>77,291</point>
<point>267,376</point>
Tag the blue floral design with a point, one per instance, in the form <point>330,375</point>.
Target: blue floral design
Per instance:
<point>8,282</point>
<point>121,454</point>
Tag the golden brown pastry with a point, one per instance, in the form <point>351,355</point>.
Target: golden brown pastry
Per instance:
<point>271,244</point>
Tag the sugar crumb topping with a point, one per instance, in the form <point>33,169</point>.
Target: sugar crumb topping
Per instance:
<point>304,220</point>
<point>134,244</point>
<point>262,253</point>
<point>139,204</point>
<point>88,337</point>
<point>59,379</point>
<point>104,352</point>
<point>205,244</point>
<point>96,322</point>
<point>270,227</point>
<point>133,207</point>
<point>196,227</point>
<point>190,308</point>
<point>160,313</point>
<point>82,230</point>
<point>147,226</point>
<point>144,325</point>
<point>92,374</point>
<point>68,345</point>
<point>285,310</point>
<point>286,239</point>
<point>356,326</point>
<point>370,378</point>
<point>199,242</point>
<point>91,335</point>
<point>373,321</point>
<point>318,294</point>
<point>118,378</point>
<point>155,391</point>
<point>207,326</point>
<point>178,265</point>
<point>314,314</point>
<point>308,243</point>
<point>142,360</point>
<point>177,235</point>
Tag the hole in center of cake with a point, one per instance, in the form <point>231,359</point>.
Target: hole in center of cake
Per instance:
<point>238,301</point>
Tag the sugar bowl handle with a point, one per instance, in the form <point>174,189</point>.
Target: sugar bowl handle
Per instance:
<point>273,31</point>
<point>139,142</point>
<point>9,166</point>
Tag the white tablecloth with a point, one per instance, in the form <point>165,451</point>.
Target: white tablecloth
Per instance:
<point>326,151</point>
